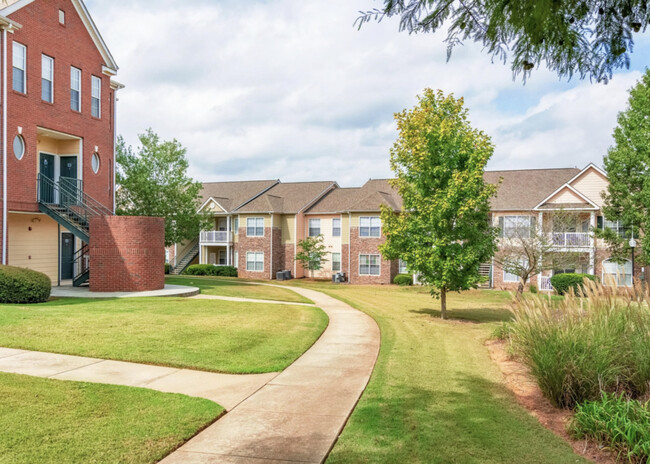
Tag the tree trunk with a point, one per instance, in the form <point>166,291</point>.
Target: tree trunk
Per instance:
<point>520,290</point>
<point>443,303</point>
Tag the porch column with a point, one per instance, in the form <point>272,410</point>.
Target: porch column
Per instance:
<point>592,250</point>
<point>540,231</point>
<point>228,241</point>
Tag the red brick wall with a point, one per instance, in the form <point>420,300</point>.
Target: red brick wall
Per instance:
<point>289,258</point>
<point>257,244</point>
<point>69,45</point>
<point>127,254</point>
<point>368,245</point>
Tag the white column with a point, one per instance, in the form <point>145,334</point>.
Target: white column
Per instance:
<point>228,241</point>
<point>540,231</point>
<point>592,251</point>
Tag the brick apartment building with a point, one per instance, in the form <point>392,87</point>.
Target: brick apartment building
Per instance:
<point>258,225</point>
<point>58,139</point>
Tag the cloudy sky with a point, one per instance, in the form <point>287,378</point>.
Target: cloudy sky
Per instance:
<point>291,89</point>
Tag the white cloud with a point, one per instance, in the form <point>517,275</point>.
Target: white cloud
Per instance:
<point>291,90</point>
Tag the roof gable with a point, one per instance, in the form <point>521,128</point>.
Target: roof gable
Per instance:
<point>592,182</point>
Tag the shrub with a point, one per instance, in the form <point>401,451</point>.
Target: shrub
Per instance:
<point>502,331</point>
<point>211,270</point>
<point>18,285</point>
<point>579,348</point>
<point>617,423</point>
<point>532,288</point>
<point>167,268</point>
<point>403,280</point>
<point>563,282</point>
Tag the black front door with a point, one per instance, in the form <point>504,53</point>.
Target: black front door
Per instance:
<point>67,256</point>
<point>68,180</point>
<point>47,185</point>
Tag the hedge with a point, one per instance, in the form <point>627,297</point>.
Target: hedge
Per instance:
<point>563,282</point>
<point>403,280</point>
<point>211,270</point>
<point>167,268</point>
<point>21,286</point>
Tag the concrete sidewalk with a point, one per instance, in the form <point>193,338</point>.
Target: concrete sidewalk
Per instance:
<point>299,414</point>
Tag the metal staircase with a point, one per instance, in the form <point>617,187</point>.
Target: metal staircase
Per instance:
<point>185,261</point>
<point>485,270</point>
<point>66,203</point>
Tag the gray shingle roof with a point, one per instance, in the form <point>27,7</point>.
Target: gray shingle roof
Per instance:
<point>230,195</point>
<point>287,198</point>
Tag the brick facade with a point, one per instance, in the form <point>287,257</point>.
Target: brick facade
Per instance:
<point>127,254</point>
<point>254,244</point>
<point>367,245</point>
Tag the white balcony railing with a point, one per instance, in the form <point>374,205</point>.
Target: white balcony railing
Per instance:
<point>216,236</point>
<point>545,284</point>
<point>571,239</point>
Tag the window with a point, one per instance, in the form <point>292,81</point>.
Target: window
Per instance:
<point>508,277</point>
<point>336,262</point>
<point>617,226</point>
<point>235,225</point>
<point>336,227</point>
<point>223,258</point>
<point>75,89</point>
<point>369,265</point>
<point>314,227</point>
<point>516,226</point>
<point>254,261</point>
<point>47,79</point>
<point>94,163</point>
<point>370,226</point>
<point>61,17</point>
<point>19,147</point>
<point>96,96</point>
<point>621,273</point>
<point>166,255</point>
<point>255,227</point>
<point>402,267</point>
<point>19,68</point>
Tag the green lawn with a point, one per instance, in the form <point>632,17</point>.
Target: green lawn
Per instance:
<point>211,335</point>
<point>435,395</point>
<point>51,421</point>
<point>223,286</point>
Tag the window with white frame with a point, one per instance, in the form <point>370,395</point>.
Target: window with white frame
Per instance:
<point>516,226</point>
<point>616,226</point>
<point>314,227</point>
<point>369,226</point>
<point>236,263</point>
<point>75,89</point>
<point>336,262</point>
<point>621,273</point>
<point>509,277</point>
<point>255,227</point>
<point>223,258</point>
<point>369,265</point>
<point>96,96</point>
<point>255,261</point>
<point>19,61</point>
<point>47,78</point>
<point>235,225</point>
<point>336,227</point>
<point>402,267</point>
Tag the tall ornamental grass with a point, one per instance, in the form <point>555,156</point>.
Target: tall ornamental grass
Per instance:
<point>590,343</point>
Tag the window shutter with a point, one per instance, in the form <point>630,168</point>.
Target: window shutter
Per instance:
<point>599,222</point>
<point>501,226</point>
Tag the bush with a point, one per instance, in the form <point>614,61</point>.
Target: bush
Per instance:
<point>581,347</point>
<point>167,268</point>
<point>563,282</point>
<point>211,270</point>
<point>532,288</point>
<point>502,331</point>
<point>403,280</point>
<point>18,285</point>
<point>617,423</point>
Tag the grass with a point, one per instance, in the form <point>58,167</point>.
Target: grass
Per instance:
<point>51,421</point>
<point>435,396</point>
<point>220,336</point>
<point>223,286</point>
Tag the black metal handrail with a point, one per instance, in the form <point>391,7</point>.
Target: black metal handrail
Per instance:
<point>81,261</point>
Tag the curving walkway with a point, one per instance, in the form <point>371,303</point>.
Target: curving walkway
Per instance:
<point>293,416</point>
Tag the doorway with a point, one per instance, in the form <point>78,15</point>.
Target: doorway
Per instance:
<point>46,189</point>
<point>67,256</point>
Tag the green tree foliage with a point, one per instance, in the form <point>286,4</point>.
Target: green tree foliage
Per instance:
<point>628,167</point>
<point>584,37</point>
<point>443,232</point>
<point>153,181</point>
<point>312,253</point>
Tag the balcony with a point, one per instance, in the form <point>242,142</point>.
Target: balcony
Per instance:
<point>571,239</point>
<point>216,237</point>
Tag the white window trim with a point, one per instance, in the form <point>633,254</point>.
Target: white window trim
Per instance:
<point>340,261</point>
<point>72,70</point>
<point>370,227</point>
<point>44,58</point>
<point>340,228</point>
<point>24,68</point>
<point>369,265</point>
<point>263,227</point>
<point>255,253</point>
<point>509,281</point>
<point>98,97</point>
<point>309,227</point>
<point>603,273</point>
<point>516,217</point>
<point>400,267</point>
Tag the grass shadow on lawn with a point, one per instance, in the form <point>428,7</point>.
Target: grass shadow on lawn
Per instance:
<point>474,315</point>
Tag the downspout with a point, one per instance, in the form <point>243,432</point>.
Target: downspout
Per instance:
<point>271,257</point>
<point>4,146</point>
<point>114,145</point>
<point>349,245</point>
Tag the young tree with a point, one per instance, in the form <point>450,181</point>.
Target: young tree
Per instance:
<point>153,181</point>
<point>525,249</point>
<point>589,38</point>
<point>628,167</point>
<point>443,232</point>
<point>312,253</point>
